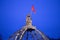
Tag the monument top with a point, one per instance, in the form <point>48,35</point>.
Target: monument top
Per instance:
<point>28,20</point>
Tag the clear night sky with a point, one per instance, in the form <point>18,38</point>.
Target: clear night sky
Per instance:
<point>13,14</point>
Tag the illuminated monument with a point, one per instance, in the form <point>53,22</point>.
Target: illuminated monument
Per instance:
<point>28,32</point>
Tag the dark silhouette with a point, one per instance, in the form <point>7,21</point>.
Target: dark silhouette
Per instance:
<point>0,37</point>
<point>55,39</point>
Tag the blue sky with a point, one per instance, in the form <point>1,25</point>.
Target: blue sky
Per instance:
<point>13,16</point>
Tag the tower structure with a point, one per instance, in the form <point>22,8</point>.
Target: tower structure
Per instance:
<point>28,30</point>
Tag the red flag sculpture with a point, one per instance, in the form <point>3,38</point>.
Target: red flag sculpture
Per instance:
<point>33,9</point>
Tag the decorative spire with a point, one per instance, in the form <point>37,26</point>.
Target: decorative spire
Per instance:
<point>28,20</point>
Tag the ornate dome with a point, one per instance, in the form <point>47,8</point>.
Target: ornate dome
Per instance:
<point>28,32</point>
